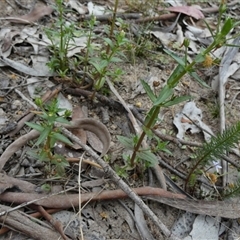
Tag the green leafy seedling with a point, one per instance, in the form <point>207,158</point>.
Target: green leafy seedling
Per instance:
<point>49,135</point>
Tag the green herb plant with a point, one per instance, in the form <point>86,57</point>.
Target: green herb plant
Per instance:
<point>60,35</point>
<point>49,135</point>
<point>166,98</point>
<point>145,158</point>
<point>97,59</point>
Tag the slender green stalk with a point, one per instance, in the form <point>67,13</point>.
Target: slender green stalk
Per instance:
<point>113,24</point>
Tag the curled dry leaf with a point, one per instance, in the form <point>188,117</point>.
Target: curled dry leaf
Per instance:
<point>94,126</point>
<point>77,113</point>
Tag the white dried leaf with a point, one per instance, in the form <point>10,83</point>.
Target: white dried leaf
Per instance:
<point>22,68</point>
<point>95,10</point>
<point>204,227</point>
<point>184,123</point>
<point>39,63</point>
<point>64,103</point>
<point>76,5</point>
<point>76,45</point>
<point>183,225</point>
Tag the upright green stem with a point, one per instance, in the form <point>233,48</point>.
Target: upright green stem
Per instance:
<point>143,134</point>
<point>113,24</point>
<point>172,83</point>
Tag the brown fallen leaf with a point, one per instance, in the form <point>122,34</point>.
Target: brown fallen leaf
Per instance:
<point>187,10</point>
<point>94,141</point>
<point>77,113</point>
<point>37,13</point>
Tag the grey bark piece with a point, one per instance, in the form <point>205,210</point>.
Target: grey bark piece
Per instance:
<point>183,226</point>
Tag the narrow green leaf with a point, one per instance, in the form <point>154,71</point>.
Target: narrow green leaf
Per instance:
<point>208,26</point>
<point>115,60</point>
<point>52,142</point>
<point>227,27</point>
<point>62,120</point>
<point>179,60</point>
<point>96,65</point>
<point>198,79</point>
<point>148,156</point>
<point>127,142</point>
<point>164,94</point>
<point>62,138</point>
<point>35,126</point>
<point>43,136</point>
<point>109,42</point>
<point>149,91</point>
<point>199,58</point>
<point>177,100</point>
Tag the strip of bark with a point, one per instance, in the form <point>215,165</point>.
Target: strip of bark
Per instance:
<point>21,222</point>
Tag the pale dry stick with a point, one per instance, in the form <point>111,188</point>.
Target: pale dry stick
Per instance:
<point>156,169</point>
<point>79,193</point>
<point>18,20</point>
<point>26,99</point>
<point>108,170</point>
<point>223,77</point>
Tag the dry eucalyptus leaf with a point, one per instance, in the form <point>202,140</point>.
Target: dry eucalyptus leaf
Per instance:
<point>23,68</point>
<point>71,223</point>
<point>76,5</point>
<point>76,45</point>
<point>39,63</point>
<point>183,121</point>
<point>37,13</point>
<point>191,11</point>
<point>94,141</point>
<point>80,133</point>
<point>209,224</point>
<point>95,10</point>
<point>183,225</point>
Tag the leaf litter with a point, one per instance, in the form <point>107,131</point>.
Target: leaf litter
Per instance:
<point>107,219</point>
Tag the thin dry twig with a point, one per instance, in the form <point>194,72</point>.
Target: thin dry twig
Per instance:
<point>121,184</point>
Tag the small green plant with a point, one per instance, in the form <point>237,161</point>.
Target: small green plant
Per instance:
<point>166,98</point>
<point>145,158</point>
<point>60,35</point>
<point>49,135</point>
<point>95,63</point>
<point>213,150</point>
<point>98,59</point>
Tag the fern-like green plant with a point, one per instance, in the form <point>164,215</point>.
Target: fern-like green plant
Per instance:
<point>214,149</point>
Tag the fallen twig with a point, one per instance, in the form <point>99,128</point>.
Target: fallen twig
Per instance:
<point>27,225</point>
